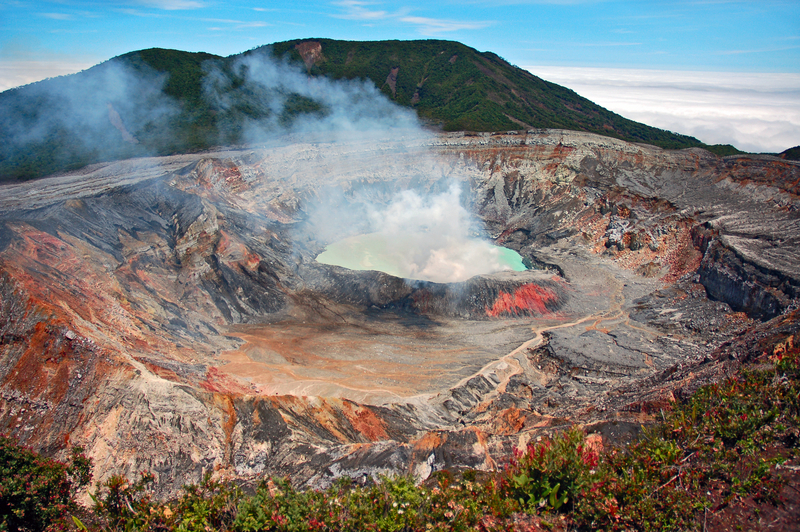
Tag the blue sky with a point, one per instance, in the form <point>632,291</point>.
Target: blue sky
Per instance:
<point>752,47</point>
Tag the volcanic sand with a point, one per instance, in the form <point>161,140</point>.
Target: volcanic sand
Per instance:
<point>375,361</point>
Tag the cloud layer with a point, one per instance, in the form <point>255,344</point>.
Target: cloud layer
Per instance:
<point>756,112</point>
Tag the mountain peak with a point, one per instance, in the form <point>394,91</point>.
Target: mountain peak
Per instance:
<point>179,102</point>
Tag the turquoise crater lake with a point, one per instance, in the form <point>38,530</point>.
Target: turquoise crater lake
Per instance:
<point>411,257</point>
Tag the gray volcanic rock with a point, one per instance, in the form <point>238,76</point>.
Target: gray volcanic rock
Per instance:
<point>168,314</point>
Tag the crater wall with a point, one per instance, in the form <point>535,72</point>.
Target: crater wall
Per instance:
<point>168,315</point>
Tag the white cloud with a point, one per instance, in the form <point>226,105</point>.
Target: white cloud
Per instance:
<point>757,50</point>
<point>358,10</point>
<point>240,26</point>
<point>602,44</point>
<point>17,73</point>
<point>172,5</point>
<point>58,16</point>
<point>235,24</point>
<point>431,26</point>
<point>137,13</point>
<point>362,10</point>
<point>757,112</point>
<point>254,24</point>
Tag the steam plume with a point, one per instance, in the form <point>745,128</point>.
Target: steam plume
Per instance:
<point>119,109</point>
<point>424,238</point>
<point>291,101</point>
<point>95,115</point>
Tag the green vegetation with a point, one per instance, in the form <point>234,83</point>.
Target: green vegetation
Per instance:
<point>65,123</point>
<point>792,154</point>
<point>458,88</point>
<point>723,150</point>
<point>720,446</point>
<point>36,492</point>
<point>194,126</point>
<point>176,102</point>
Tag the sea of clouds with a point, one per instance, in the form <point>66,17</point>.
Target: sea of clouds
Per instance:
<point>756,112</point>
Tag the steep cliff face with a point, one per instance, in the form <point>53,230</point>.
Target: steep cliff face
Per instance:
<point>545,187</point>
<point>758,290</point>
<point>168,314</point>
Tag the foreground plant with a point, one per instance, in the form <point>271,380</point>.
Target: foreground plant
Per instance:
<point>393,504</point>
<point>550,475</point>
<point>35,492</point>
<point>720,446</point>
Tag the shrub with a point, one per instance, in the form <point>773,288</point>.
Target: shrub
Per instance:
<point>130,506</point>
<point>210,505</point>
<point>37,493</point>
<point>551,474</point>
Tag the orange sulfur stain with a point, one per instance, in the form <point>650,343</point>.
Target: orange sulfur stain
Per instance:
<point>528,298</point>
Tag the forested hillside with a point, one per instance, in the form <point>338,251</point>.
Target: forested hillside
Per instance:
<point>158,102</point>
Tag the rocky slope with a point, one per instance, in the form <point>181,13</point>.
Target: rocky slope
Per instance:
<point>168,314</point>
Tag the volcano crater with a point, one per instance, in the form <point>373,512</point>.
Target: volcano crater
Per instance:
<point>169,314</point>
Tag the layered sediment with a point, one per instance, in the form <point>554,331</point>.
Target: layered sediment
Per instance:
<point>167,314</point>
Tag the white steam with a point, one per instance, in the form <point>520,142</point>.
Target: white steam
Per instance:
<point>90,112</point>
<point>341,107</point>
<point>119,109</point>
<point>423,238</point>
